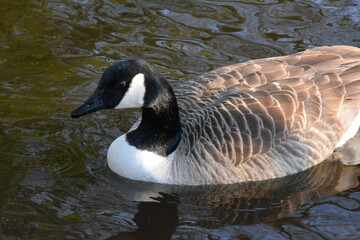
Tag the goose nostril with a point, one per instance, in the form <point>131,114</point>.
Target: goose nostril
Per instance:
<point>90,103</point>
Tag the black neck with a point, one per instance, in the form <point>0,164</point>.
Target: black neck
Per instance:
<point>159,130</point>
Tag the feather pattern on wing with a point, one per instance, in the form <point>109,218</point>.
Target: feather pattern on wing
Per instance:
<point>266,118</point>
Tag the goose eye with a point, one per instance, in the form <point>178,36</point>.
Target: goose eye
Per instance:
<point>120,84</point>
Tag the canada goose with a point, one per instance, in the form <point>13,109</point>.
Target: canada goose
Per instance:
<point>250,121</point>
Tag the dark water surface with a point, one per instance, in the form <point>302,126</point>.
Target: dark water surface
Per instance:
<point>54,181</point>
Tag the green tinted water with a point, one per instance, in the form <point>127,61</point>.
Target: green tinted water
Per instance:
<point>54,182</point>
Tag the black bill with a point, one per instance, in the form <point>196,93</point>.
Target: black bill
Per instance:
<point>93,104</point>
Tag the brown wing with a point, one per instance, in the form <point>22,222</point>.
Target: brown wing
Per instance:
<point>273,112</point>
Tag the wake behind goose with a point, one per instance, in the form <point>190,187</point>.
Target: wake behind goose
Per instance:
<point>250,121</point>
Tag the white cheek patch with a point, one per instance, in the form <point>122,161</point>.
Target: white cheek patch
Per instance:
<point>134,96</point>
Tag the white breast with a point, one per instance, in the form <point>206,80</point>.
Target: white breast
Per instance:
<point>130,162</point>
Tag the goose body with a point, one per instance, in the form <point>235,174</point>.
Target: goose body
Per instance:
<point>250,121</point>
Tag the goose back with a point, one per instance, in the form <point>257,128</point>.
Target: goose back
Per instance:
<point>266,118</point>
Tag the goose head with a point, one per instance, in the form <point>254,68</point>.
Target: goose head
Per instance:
<point>127,84</point>
<point>136,84</point>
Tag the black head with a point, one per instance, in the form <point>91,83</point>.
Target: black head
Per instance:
<point>124,78</point>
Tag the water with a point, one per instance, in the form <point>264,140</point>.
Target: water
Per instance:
<point>54,182</point>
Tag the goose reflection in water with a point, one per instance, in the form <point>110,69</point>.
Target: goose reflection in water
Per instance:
<point>237,204</point>
<point>155,220</point>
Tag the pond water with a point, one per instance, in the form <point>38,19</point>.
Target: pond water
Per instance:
<point>54,181</point>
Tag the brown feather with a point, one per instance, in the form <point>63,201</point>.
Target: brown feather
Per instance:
<point>269,117</point>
